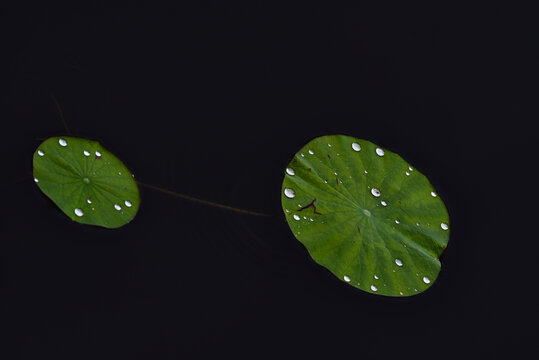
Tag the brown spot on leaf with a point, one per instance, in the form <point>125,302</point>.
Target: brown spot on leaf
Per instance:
<point>311,204</point>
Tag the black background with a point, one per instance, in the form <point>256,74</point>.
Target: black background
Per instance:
<point>213,101</point>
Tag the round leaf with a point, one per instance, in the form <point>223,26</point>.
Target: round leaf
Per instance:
<point>365,214</point>
<point>87,182</point>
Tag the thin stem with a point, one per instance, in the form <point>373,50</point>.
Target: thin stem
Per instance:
<point>205,202</point>
<point>165,191</point>
<point>61,113</point>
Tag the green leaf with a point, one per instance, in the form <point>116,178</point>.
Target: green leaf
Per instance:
<point>365,214</point>
<point>87,182</point>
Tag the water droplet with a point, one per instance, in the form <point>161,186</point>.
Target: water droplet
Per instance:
<point>366,212</point>
<point>366,172</point>
<point>375,192</point>
<point>40,153</point>
<point>376,276</point>
<point>397,222</point>
<point>62,142</point>
<point>289,193</point>
<point>302,155</point>
<point>400,292</point>
<point>433,194</point>
<point>329,145</point>
<point>407,173</point>
<point>311,152</point>
<point>305,217</point>
<point>86,180</point>
<point>426,280</point>
<point>417,223</point>
<point>36,180</point>
<point>311,219</point>
<point>296,217</point>
<point>356,146</point>
<point>89,201</point>
<point>326,181</point>
<point>336,173</point>
<point>444,226</point>
<point>383,203</point>
<point>410,168</point>
<point>98,154</point>
<point>119,173</point>
<point>290,171</point>
<point>380,152</point>
<point>78,211</point>
<point>86,153</point>
<point>346,278</point>
<point>398,262</point>
<point>117,207</point>
<point>128,203</point>
<point>374,288</point>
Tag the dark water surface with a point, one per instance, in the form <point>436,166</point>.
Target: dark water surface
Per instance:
<point>213,102</point>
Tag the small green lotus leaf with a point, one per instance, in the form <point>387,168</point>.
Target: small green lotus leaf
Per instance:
<point>87,182</point>
<point>365,214</point>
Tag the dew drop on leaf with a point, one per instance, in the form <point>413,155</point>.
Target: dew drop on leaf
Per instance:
<point>289,193</point>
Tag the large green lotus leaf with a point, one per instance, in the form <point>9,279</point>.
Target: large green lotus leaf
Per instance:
<point>365,214</point>
<point>86,181</point>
